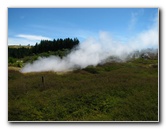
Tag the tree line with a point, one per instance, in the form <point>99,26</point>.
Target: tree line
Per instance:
<point>43,46</point>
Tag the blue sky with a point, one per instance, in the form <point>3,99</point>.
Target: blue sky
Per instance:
<point>30,25</point>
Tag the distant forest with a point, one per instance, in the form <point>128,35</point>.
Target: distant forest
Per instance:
<point>43,46</point>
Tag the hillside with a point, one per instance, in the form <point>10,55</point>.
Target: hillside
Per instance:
<point>108,92</point>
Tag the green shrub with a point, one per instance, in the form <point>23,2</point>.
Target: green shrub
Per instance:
<point>91,69</point>
<point>127,93</point>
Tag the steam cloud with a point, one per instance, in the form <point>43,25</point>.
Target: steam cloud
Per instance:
<point>95,51</point>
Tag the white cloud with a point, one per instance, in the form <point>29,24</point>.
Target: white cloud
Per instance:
<point>146,39</point>
<point>24,39</point>
<point>32,37</point>
<point>18,41</point>
<point>134,18</point>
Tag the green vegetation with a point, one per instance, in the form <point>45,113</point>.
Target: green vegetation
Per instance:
<point>110,92</point>
<point>19,55</point>
<point>29,59</point>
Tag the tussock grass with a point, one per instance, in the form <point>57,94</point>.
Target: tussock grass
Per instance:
<point>110,92</point>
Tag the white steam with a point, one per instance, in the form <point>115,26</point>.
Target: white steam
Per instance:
<point>95,51</point>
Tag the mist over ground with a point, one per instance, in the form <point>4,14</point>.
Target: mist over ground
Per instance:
<point>95,51</point>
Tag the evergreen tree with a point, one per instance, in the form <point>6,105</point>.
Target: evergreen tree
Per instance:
<point>43,46</point>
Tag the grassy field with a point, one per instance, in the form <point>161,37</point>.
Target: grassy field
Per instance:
<point>110,92</point>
